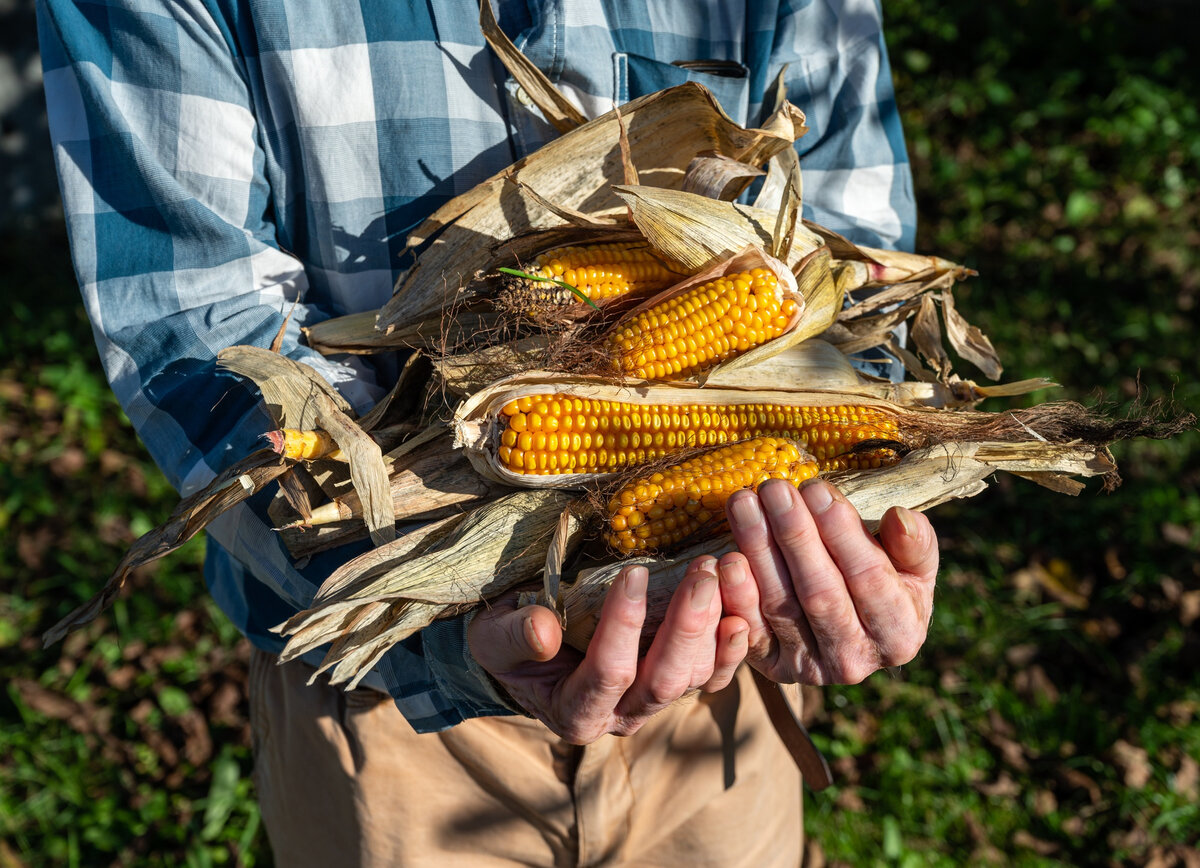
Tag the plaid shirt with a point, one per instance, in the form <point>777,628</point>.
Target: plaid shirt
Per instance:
<point>220,159</point>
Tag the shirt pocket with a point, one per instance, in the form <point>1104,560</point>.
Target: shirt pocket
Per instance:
<point>729,81</point>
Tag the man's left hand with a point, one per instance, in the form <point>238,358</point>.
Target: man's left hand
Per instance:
<point>826,602</point>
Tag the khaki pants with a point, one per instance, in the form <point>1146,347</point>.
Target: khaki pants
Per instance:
<point>343,781</point>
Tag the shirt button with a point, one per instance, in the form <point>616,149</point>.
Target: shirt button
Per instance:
<point>523,97</point>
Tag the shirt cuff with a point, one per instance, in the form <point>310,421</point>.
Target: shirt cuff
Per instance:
<point>463,682</point>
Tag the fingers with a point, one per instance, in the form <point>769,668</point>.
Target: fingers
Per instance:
<point>892,618</point>
<point>857,605</point>
<point>910,542</point>
<point>739,596</point>
<point>591,692</point>
<point>732,645</point>
<point>783,630</point>
<point>684,650</point>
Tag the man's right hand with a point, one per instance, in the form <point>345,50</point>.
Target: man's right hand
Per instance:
<point>609,690</point>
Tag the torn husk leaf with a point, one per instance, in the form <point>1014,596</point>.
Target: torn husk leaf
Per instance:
<point>357,334</point>
<point>289,388</point>
<point>427,482</point>
<point>303,400</point>
<point>556,108</point>
<point>696,231</point>
<point>231,487</point>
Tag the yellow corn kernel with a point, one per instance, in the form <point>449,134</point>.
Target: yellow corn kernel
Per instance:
<point>667,507</point>
<point>598,271</point>
<point>615,434</point>
<point>702,327</point>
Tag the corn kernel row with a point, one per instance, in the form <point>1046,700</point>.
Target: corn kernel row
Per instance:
<point>560,433</point>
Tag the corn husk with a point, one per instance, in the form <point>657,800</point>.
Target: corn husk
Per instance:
<point>379,599</point>
<point>301,399</point>
<point>427,480</point>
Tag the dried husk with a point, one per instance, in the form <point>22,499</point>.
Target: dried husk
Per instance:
<point>696,231</point>
<point>356,333</point>
<point>382,597</point>
<point>427,481</point>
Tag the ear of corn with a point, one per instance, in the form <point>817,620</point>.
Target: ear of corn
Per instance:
<point>663,509</point>
<point>703,326</point>
<point>598,271</point>
<point>557,433</point>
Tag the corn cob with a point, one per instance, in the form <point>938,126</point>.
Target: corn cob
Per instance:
<point>598,271</point>
<point>296,445</point>
<point>558,433</point>
<point>665,508</point>
<point>702,326</point>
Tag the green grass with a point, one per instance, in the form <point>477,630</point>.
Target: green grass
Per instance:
<point>129,744</point>
<point>1052,717</point>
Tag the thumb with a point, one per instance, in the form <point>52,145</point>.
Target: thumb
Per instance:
<point>502,639</point>
<point>910,542</point>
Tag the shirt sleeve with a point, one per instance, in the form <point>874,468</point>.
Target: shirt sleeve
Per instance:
<point>857,178</point>
<point>168,212</point>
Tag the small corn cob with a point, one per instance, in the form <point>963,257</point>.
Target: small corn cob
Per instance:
<point>559,433</point>
<point>702,326</point>
<point>296,445</point>
<point>599,271</point>
<point>665,508</point>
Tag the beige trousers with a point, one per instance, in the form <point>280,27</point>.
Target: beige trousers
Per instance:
<point>344,781</point>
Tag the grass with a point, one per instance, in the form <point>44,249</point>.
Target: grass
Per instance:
<point>1054,716</point>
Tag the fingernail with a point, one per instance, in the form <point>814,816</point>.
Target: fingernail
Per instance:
<point>702,592</point>
<point>703,564</point>
<point>636,579</point>
<point>776,498</point>
<point>531,636</point>
<point>908,521</point>
<point>818,496</point>
<point>744,512</point>
<point>739,639</point>
<point>733,573</point>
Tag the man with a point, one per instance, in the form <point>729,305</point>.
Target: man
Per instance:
<point>220,159</point>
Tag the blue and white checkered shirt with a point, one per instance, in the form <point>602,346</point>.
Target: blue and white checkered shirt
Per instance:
<point>220,159</point>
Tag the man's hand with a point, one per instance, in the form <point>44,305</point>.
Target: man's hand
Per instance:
<point>581,697</point>
<point>825,601</point>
